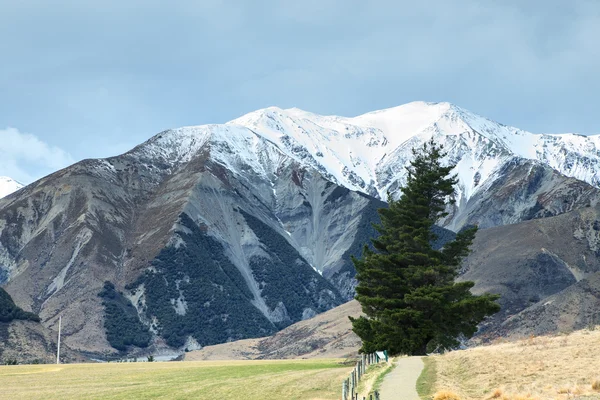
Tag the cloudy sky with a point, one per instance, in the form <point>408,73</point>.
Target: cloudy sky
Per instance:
<point>81,79</point>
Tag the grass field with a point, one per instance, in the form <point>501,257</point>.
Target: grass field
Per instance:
<point>264,380</point>
<point>545,367</point>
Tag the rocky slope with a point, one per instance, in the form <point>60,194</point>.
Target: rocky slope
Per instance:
<point>369,152</point>
<point>28,342</point>
<point>222,232</point>
<point>23,339</point>
<point>208,249</point>
<point>546,271</point>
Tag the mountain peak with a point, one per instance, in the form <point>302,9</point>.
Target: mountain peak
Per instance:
<point>8,186</point>
<point>359,152</point>
<point>368,152</point>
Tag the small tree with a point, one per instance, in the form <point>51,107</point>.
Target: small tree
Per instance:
<point>406,288</point>
<point>150,358</point>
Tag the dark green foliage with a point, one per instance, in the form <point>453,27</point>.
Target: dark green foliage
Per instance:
<point>9,311</point>
<point>441,236</point>
<point>286,277</point>
<point>366,231</point>
<point>150,358</point>
<point>406,287</point>
<point>121,321</point>
<point>218,299</point>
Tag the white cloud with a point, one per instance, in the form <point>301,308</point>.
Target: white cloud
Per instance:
<point>25,157</point>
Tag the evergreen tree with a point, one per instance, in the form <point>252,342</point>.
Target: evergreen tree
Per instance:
<point>407,289</point>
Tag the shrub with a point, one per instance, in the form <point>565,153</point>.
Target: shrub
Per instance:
<point>596,385</point>
<point>527,396</point>
<point>446,395</point>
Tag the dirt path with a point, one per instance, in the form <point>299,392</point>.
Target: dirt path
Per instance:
<point>401,383</point>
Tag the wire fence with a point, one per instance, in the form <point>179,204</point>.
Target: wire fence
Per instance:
<point>350,384</point>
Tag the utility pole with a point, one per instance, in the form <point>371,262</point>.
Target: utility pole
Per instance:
<point>58,350</point>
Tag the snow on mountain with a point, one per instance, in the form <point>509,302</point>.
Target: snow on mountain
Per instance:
<point>369,152</point>
<point>8,186</point>
<point>235,147</point>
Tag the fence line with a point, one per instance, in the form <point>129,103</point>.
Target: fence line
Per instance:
<point>350,384</point>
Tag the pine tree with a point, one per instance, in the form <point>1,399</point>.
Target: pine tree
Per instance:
<point>406,288</point>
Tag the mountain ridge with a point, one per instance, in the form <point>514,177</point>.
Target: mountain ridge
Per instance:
<point>368,153</point>
<point>200,220</point>
<point>426,119</point>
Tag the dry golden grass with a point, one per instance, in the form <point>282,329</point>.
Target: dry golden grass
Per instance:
<point>557,367</point>
<point>230,380</point>
<point>446,395</point>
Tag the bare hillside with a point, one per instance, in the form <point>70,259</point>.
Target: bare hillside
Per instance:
<point>326,335</point>
<point>546,271</point>
<point>543,367</point>
<point>29,342</point>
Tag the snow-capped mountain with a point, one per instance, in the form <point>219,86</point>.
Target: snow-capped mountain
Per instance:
<point>369,152</point>
<point>220,232</point>
<point>8,186</point>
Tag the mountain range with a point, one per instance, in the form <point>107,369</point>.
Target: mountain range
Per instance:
<point>214,233</point>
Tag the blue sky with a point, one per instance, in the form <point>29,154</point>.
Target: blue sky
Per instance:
<point>81,79</point>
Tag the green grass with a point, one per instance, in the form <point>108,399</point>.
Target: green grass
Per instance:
<point>223,380</point>
<point>426,380</point>
<point>372,376</point>
<point>379,380</point>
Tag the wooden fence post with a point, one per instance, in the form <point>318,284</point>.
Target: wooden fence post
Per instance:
<point>350,384</point>
<point>364,362</point>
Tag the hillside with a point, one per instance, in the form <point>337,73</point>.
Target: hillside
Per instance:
<point>546,271</point>
<point>539,367</point>
<point>216,233</point>
<point>23,339</point>
<point>28,342</point>
<point>10,312</point>
<point>327,335</point>
<point>203,254</point>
